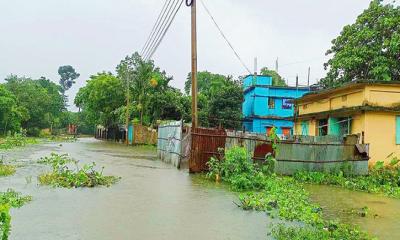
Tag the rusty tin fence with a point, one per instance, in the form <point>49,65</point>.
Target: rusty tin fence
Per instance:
<point>301,153</point>
<point>173,143</point>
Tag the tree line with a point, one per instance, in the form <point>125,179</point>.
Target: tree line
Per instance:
<point>103,99</point>
<point>30,105</point>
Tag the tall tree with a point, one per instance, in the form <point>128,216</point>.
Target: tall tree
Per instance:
<point>145,80</point>
<point>277,80</point>
<point>100,99</point>
<point>11,115</point>
<point>67,79</point>
<point>368,49</point>
<point>39,100</point>
<point>219,100</point>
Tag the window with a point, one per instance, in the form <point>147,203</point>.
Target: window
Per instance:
<point>344,98</point>
<point>287,103</point>
<point>271,103</point>
<point>305,106</point>
<point>286,131</point>
<point>397,129</point>
<point>322,127</point>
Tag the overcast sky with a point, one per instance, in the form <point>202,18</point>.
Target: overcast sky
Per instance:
<point>37,36</point>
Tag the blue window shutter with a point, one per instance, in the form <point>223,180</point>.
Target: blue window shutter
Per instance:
<point>397,129</point>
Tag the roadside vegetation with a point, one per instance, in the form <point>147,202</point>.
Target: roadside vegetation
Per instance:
<point>382,178</point>
<point>64,176</point>
<point>282,197</point>
<point>9,199</point>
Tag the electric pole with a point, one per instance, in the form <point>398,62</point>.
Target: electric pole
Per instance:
<point>308,78</point>
<point>194,65</point>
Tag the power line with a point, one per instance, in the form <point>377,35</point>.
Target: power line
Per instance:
<point>154,27</point>
<point>170,20</point>
<point>223,35</point>
<point>160,26</point>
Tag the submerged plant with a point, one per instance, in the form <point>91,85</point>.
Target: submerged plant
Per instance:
<point>63,176</point>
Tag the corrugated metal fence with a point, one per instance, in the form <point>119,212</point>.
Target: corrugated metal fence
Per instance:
<point>173,143</point>
<point>300,153</point>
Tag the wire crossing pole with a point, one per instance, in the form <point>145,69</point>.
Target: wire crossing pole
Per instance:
<point>194,65</point>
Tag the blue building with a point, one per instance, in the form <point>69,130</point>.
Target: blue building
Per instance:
<point>266,106</point>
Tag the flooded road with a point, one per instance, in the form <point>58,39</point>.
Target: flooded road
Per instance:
<point>153,200</point>
<point>383,216</point>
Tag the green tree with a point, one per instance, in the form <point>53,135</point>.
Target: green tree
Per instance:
<point>100,99</point>
<point>11,115</point>
<point>219,100</point>
<point>277,80</point>
<point>67,79</point>
<point>40,103</point>
<point>226,106</point>
<point>145,81</point>
<point>368,49</point>
<point>206,81</point>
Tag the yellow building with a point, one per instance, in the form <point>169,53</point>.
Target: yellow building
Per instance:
<point>370,109</point>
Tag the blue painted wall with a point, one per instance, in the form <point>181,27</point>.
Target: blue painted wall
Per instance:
<point>257,114</point>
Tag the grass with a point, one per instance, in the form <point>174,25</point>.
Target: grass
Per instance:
<point>281,197</point>
<point>63,176</point>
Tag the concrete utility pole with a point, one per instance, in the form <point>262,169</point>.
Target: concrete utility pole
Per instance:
<point>308,78</point>
<point>194,65</point>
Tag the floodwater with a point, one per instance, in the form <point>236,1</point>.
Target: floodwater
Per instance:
<point>383,217</point>
<point>153,200</point>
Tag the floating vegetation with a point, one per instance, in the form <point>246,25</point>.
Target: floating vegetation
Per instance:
<point>16,140</point>
<point>281,197</point>
<point>63,176</point>
<point>6,170</point>
<point>9,199</point>
<point>13,198</point>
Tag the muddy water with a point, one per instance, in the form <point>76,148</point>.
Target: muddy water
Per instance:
<point>152,201</point>
<point>383,216</point>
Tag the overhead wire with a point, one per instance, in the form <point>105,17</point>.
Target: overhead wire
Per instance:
<point>159,28</point>
<point>154,27</point>
<point>177,6</point>
<point>226,39</point>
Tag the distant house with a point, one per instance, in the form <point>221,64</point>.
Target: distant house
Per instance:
<point>368,109</point>
<point>266,106</point>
